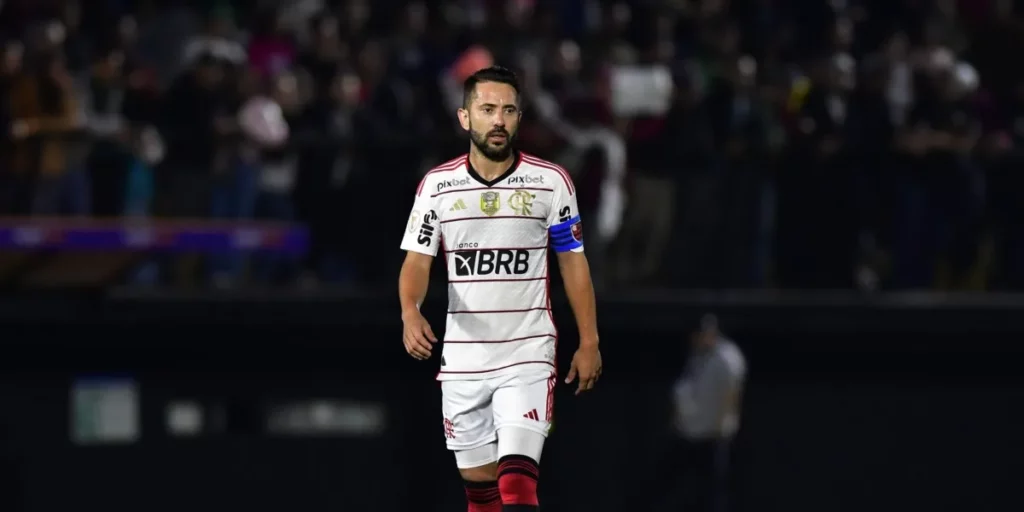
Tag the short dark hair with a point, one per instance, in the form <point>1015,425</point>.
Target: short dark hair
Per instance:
<point>492,74</point>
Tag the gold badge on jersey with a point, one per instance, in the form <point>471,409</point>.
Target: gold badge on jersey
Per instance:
<point>490,202</point>
<point>521,202</point>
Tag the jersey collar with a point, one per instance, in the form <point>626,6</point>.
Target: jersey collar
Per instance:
<point>516,159</point>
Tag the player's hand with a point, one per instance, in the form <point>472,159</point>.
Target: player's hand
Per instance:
<point>586,364</point>
<point>418,337</point>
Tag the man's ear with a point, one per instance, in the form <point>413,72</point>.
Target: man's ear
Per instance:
<point>464,118</point>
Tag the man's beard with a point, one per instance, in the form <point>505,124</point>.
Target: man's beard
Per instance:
<point>490,151</point>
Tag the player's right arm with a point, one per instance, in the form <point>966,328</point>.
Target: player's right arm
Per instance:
<point>421,241</point>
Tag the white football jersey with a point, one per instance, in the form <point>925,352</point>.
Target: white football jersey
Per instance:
<point>495,238</point>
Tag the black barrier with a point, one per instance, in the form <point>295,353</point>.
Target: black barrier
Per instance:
<point>886,403</point>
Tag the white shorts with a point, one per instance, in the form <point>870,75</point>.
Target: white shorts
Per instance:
<point>474,410</point>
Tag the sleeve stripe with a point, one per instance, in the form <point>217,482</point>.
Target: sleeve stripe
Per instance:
<point>450,165</point>
<point>532,160</point>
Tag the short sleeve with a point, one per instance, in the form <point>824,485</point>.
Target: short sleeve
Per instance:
<point>564,225</point>
<point>423,231</point>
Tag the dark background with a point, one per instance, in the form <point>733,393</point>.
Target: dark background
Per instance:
<point>883,403</point>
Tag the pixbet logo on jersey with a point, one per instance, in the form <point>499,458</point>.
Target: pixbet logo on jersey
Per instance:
<point>426,229</point>
<point>492,262</point>
<point>526,180</point>
<point>443,184</point>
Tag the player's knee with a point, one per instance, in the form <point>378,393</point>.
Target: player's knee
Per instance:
<point>485,473</point>
<point>517,480</point>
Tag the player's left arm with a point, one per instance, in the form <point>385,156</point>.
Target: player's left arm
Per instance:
<point>566,233</point>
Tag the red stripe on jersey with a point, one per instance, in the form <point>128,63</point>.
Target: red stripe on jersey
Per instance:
<point>491,188</point>
<point>505,280</point>
<point>484,312</point>
<point>504,341</point>
<point>532,160</point>
<point>493,217</point>
<point>450,165</point>
<point>496,369</point>
<point>549,406</point>
<point>547,300</point>
<point>498,249</point>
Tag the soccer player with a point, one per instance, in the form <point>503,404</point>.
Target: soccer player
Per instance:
<point>493,214</point>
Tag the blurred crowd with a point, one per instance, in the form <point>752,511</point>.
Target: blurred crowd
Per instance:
<point>715,143</point>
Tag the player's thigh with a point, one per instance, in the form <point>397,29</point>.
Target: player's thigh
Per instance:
<point>525,401</point>
<point>468,417</point>
<point>514,440</point>
<point>478,464</point>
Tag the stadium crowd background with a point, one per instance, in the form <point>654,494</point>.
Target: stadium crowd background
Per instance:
<point>799,144</point>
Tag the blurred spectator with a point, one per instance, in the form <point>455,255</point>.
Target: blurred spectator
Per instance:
<point>708,399</point>
<point>44,109</point>
<point>277,161</point>
<point>194,123</point>
<point>218,39</point>
<point>335,165</point>
<point>103,104</point>
<point>271,49</point>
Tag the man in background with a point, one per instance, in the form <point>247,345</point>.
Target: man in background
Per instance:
<point>707,401</point>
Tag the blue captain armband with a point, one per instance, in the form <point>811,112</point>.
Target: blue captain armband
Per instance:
<point>567,235</point>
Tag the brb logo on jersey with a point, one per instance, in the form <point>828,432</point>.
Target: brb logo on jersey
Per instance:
<point>492,262</point>
<point>427,229</point>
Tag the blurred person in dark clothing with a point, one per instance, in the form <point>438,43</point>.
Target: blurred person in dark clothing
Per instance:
<point>76,45</point>
<point>218,38</point>
<point>939,212</point>
<point>693,166</point>
<point>44,109</point>
<point>326,54</point>
<point>271,47</point>
<point>108,160</point>
<point>743,122</point>
<point>817,237</point>
<point>334,168</point>
<point>198,124</point>
<point>396,134</point>
<point>193,123</point>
